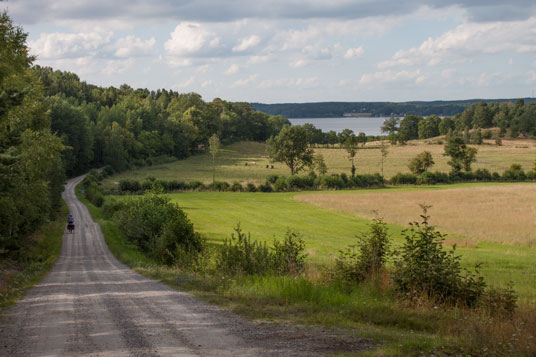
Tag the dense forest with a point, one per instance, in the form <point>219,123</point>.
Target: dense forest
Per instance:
<point>53,125</point>
<point>377,109</point>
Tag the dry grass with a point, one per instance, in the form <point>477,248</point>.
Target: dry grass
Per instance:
<point>490,156</point>
<point>499,213</point>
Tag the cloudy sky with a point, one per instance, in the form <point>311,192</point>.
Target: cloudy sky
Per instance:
<point>274,51</point>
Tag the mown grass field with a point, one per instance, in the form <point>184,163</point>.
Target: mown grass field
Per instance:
<point>231,160</point>
<point>327,230</point>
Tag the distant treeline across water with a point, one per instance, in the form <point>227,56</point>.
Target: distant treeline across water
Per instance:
<point>376,109</point>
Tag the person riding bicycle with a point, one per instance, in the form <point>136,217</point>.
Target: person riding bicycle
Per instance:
<point>70,219</point>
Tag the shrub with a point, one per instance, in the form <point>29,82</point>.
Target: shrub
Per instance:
<point>272,178</point>
<point>289,256</point>
<point>157,226</point>
<point>240,255</point>
<point>147,185</point>
<point>483,175</point>
<point>514,173</point>
<point>221,186</point>
<point>487,134</point>
<point>281,184</point>
<point>500,301</point>
<point>332,181</point>
<point>421,163</point>
<point>367,180</point>
<point>368,257</point>
<point>129,186</point>
<point>111,206</point>
<point>94,195</point>
<point>196,185</point>
<point>403,179</point>
<point>251,187</point>
<point>108,170</point>
<point>236,187</point>
<point>423,267</point>
<point>432,178</point>
<point>265,187</point>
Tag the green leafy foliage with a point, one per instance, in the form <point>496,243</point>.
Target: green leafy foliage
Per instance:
<point>367,257</point>
<point>421,163</point>
<point>292,148</point>
<point>289,256</point>
<point>158,227</point>
<point>424,267</point>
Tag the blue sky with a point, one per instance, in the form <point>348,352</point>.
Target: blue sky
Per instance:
<point>291,50</point>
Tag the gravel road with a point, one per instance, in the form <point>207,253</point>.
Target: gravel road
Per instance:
<point>92,305</point>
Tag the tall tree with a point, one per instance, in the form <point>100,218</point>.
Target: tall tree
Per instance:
<point>291,147</point>
<point>214,147</point>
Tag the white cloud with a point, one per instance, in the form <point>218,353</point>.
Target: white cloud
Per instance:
<point>245,81</point>
<point>258,59</point>
<point>69,45</point>
<point>301,83</point>
<point>247,43</point>
<point>189,39</point>
<point>389,76</point>
<point>486,79</point>
<point>234,68</point>
<point>448,73</point>
<point>131,46</point>
<point>298,63</point>
<point>117,66</point>
<point>354,53</point>
<point>208,83</point>
<point>469,39</point>
<point>187,83</point>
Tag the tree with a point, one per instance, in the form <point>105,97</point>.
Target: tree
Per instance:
<point>291,148</point>
<point>214,147</point>
<point>351,144</point>
<point>461,155</point>
<point>319,164</point>
<point>429,127</point>
<point>409,128</point>
<point>390,126</point>
<point>384,153</point>
<point>421,163</point>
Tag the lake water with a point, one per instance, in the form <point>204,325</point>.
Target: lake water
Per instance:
<point>367,125</point>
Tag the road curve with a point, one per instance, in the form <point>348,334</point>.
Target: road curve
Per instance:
<point>92,305</point>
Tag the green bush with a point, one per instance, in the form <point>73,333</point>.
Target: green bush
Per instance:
<point>272,178</point>
<point>367,180</point>
<point>332,182</point>
<point>281,184</point>
<point>237,187</point>
<point>111,206</point>
<point>403,179</point>
<point>196,185</point>
<point>241,256</point>
<point>432,178</point>
<point>250,187</point>
<point>94,195</point>
<point>289,255</point>
<point>265,187</point>
<point>221,186</point>
<point>129,186</point>
<point>483,175</point>
<point>423,267</point>
<point>368,257</point>
<point>157,226</point>
<point>500,301</point>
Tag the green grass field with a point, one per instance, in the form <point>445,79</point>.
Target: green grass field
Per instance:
<point>326,231</point>
<point>231,161</point>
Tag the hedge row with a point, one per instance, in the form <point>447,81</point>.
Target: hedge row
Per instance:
<point>515,174</point>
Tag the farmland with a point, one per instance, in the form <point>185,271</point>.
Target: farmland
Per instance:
<point>231,161</point>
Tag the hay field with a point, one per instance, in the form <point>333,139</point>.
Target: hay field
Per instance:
<point>231,160</point>
<point>497,213</point>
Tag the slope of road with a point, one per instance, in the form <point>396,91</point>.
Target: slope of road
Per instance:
<point>90,304</point>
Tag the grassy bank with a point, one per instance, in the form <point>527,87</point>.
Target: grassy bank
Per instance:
<point>38,254</point>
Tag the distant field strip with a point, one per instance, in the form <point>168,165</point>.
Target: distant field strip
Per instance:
<point>503,213</point>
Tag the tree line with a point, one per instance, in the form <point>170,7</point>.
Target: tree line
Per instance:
<point>53,125</point>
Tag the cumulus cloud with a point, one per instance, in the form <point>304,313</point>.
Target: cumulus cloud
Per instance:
<point>190,39</point>
<point>390,76</point>
<point>247,43</point>
<point>117,66</point>
<point>69,45</point>
<point>131,46</point>
<point>354,53</point>
<point>258,59</point>
<point>468,39</point>
<point>234,68</point>
<point>301,83</point>
<point>245,81</point>
<point>298,63</point>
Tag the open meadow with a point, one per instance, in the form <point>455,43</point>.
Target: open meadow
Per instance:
<point>231,161</point>
<point>326,230</point>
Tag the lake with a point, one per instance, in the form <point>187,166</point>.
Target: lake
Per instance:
<point>368,125</point>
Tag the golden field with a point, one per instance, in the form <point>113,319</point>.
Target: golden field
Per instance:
<point>496,213</point>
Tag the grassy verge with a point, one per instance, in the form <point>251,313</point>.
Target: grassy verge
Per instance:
<point>37,257</point>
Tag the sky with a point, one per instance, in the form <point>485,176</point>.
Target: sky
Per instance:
<point>281,51</point>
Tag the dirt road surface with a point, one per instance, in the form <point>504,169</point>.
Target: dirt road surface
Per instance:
<point>92,305</point>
